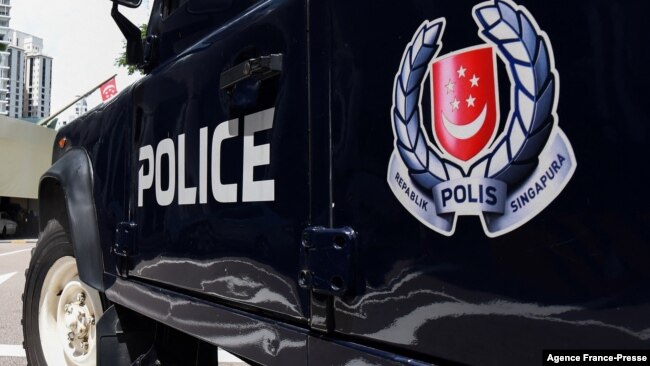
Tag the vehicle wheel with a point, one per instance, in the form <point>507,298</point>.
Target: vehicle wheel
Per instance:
<point>59,311</point>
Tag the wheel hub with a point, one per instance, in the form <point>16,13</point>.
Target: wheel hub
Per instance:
<point>67,310</point>
<point>78,320</point>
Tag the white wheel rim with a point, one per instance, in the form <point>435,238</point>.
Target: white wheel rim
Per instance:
<point>66,319</point>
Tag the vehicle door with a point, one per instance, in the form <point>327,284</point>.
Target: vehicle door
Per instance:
<point>221,158</point>
<point>562,264</point>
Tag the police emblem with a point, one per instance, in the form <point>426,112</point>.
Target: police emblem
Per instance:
<point>467,169</point>
<point>465,108</point>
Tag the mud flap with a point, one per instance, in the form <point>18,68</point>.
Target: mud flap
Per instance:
<point>117,345</point>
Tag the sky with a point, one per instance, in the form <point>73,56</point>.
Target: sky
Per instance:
<point>83,41</point>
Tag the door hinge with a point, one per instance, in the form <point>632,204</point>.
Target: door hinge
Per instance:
<point>124,247</point>
<point>327,259</point>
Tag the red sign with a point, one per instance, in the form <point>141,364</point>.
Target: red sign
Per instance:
<point>108,89</point>
<point>465,101</point>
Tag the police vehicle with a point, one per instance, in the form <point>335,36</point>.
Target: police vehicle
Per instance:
<point>354,182</point>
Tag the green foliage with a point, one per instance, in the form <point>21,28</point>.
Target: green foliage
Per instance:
<point>121,60</point>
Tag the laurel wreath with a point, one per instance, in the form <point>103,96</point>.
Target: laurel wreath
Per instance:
<point>525,50</point>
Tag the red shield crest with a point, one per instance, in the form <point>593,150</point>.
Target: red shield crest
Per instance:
<point>465,101</point>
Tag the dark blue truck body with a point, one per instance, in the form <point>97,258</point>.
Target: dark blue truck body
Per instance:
<point>228,267</point>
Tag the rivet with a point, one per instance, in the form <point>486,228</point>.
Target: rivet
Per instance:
<point>306,240</point>
<point>304,278</point>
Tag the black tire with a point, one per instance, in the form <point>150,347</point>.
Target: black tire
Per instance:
<point>52,245</point>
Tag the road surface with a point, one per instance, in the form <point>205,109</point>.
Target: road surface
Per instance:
<point>14,259</point>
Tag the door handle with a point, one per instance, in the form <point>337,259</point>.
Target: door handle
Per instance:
<point>260,68</point>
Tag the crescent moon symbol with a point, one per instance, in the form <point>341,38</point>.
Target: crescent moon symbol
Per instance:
<point>467,131</point>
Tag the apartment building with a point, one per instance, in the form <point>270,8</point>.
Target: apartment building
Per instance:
<point>30,74</point>
<point>5,16</point>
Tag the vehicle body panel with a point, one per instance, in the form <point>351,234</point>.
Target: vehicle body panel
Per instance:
<point>7,224</point>
<point>66,195</point>
<point>573,276</point>
<point>246,252</point>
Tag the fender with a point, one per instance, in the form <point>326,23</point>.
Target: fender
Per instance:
<point>65,193</point>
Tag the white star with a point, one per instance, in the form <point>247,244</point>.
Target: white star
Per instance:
<point>454,104</point>
<point>450,86</point>
<point>470,101</point>
<point>461,72</point>
<point>474,80</point>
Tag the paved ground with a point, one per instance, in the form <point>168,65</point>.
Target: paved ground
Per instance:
<point>14,259</point>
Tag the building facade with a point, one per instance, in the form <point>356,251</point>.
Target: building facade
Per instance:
<point>38,85</point>
<point>25,72</point>
<point>34,77</point>
<point>80,108</point>
<point>28,85</point>
<point>27,148</point>
<point>5,16</point>
<point>16,82</point>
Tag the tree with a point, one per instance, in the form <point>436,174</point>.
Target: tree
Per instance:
<point>121,60</point>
